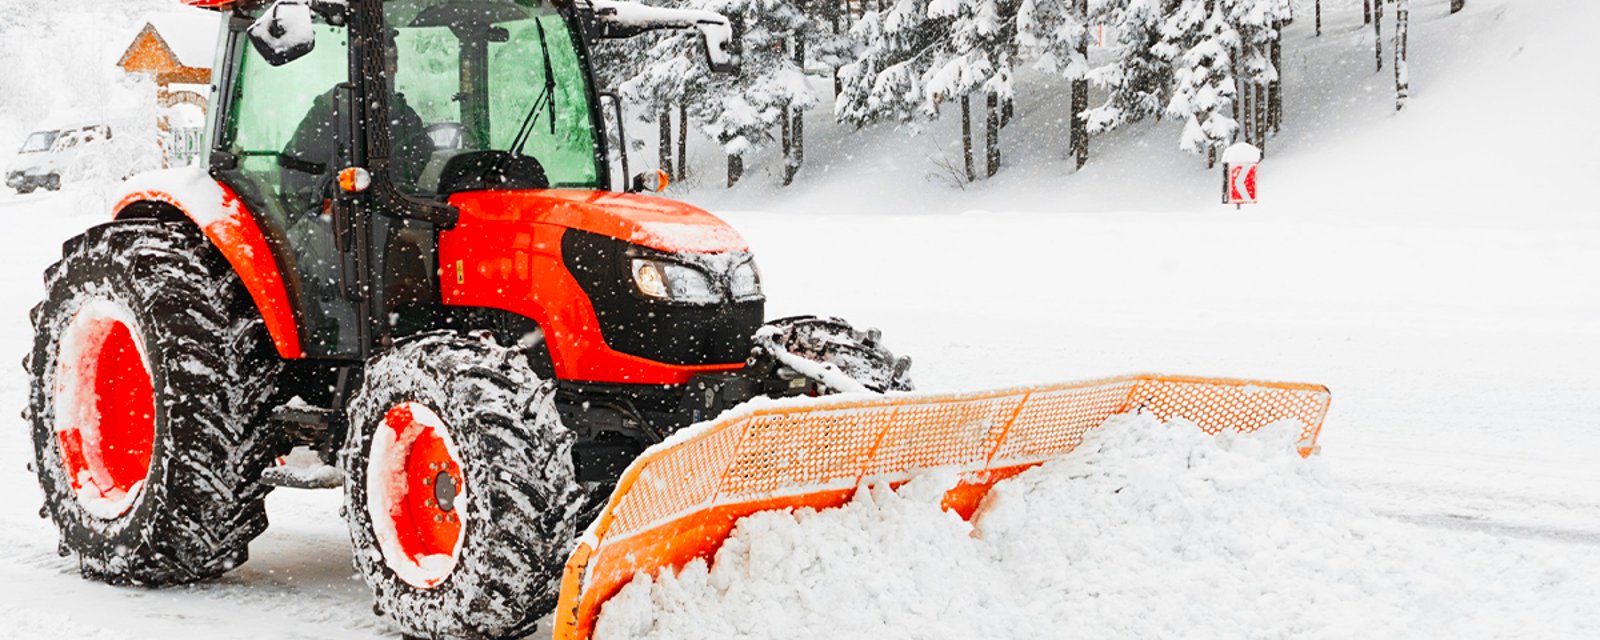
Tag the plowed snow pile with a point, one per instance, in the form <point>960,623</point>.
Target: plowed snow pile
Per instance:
<point>1147,530</point>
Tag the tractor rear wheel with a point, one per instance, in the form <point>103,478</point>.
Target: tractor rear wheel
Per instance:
<point>150,371</point>
<point>461,500</point>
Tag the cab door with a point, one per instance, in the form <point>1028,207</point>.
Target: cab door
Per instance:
<point>282,148</point>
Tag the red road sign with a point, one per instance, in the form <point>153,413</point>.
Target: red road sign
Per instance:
<point>1242,183</point>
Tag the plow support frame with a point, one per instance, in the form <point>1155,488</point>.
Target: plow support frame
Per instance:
<point>681,500</point>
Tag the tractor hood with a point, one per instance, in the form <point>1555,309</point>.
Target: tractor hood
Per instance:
<point>658,223</point>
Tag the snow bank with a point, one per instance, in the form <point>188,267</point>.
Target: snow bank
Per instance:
<point>1148,530</point>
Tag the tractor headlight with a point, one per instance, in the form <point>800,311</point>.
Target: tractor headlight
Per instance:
<point>672,281</point>
<point>745,281</point>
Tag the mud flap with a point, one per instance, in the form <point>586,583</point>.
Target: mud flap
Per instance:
<point>680,500</point>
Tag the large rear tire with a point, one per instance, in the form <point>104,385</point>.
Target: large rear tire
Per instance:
<point>150,372</point>
<point>461,499</point>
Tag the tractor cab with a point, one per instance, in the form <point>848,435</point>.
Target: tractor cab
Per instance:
<point>357,133</point>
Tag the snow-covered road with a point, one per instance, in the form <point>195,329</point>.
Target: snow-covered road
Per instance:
<point>1437,269</point>
<point>1460,349</point>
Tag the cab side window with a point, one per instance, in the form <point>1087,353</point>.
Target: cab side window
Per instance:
<point>282,129</point>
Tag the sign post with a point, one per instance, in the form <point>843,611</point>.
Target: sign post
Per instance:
<point>1239,165</point>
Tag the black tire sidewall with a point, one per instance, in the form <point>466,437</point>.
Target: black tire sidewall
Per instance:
<point>201,503</point>
<point>87,534</point>
<point>508,571</point>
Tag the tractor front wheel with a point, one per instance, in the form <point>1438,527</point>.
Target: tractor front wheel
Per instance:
<point>461,498</point>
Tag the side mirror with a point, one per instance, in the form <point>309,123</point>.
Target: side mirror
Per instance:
<point>721,45</point>
<point>284,33</point>
<point>624,19</point>
<point>651,181</point>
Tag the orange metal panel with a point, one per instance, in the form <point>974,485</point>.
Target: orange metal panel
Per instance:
<point>242,243</point>
<point>680,502</point>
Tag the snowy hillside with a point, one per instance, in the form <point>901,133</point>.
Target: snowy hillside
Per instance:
<point>1436,268</point>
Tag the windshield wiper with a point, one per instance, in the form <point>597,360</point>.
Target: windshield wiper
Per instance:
<point>545,101</point>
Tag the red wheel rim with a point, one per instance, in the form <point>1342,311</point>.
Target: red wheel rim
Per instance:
<point>417,495</point>
<point>105,409</point>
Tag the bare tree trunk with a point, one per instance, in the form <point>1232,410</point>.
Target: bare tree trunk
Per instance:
<point>1457,5</point>
<point>1366,11</point>
<point>991,136</point>
<point>1319,18</point>
<point>794,149</point>
<point>1080,96</point>
<point>683,142</point>
<point>799,144</point>
<point>1402,30</point>
<point>1241,103</point>
<point>664,120</point>
<point>1275,99</point>
<point>966,137</point>
<point>1261,116</point>
<point>1377,30</point>
<point>783,135</point>
<point>735,169</point>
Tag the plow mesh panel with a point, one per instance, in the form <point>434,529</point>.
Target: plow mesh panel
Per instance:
<point>680,501</point>
<point>779,452</point>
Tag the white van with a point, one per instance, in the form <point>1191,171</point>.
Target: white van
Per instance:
<point>52,157</point>
<point>34,165</point>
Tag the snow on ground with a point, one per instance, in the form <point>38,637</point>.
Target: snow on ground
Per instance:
<point>1146,531</point>
<point>1441,284</point>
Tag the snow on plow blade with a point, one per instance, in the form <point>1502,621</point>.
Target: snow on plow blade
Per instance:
<point>681,500</point>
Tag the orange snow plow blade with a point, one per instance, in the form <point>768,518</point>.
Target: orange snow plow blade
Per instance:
<point>680,502</point>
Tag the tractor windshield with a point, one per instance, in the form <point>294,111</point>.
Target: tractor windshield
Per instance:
<point>488,75</point>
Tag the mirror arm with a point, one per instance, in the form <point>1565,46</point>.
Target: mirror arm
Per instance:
<point>333,12</point>
<point>622,132</point>
<point>616,19</point>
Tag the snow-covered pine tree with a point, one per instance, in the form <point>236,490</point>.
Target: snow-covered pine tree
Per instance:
<point>1256,22</point>
<point>668,75</point>
<point>1377,30</point>
<point>1055,34</point>
<point>745,108</point>
<point>1139,77</point>
<point>821,40</point>
<point>828,42</point>
<point>896,48</point>
<point>981,39</point>
<point>1204,91</point>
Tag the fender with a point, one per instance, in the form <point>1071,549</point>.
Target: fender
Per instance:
<point>224,219</point>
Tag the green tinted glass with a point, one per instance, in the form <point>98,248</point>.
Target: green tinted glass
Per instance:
<point>516,80</point>
<point>471,72</point>
<point>282,129</point>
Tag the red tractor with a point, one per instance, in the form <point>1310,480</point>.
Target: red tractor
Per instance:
<point>401,273</point>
